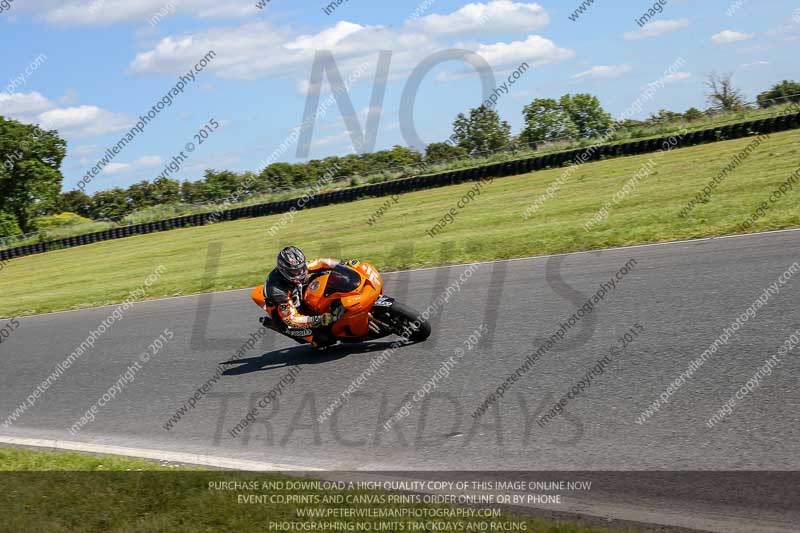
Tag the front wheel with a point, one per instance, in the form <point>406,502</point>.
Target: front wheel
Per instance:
<point>408,323</point>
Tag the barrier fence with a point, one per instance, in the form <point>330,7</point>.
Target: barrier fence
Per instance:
<point>404,185</point>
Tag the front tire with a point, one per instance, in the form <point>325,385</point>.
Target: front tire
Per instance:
<point>405,317</point>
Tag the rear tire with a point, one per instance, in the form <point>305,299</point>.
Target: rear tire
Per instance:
<point>408,316</point>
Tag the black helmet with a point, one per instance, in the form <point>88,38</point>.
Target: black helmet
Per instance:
<point>292,264</point>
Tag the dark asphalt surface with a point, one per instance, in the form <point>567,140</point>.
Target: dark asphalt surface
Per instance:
<point>683,294</point>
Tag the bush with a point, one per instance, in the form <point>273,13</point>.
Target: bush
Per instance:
<point>9,225</point>
<point>60,220</point>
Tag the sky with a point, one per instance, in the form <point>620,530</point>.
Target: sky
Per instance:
<point>91,68</point>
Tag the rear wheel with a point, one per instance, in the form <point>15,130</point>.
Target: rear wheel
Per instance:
<point>407,322</point>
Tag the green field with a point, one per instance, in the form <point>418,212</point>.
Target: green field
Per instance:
<point>69,492</point>
<point>490,227</point>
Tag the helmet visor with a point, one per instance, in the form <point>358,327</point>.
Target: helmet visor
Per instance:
<point>296,274</point>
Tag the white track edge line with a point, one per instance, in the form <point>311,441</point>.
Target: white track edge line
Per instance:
<point>488,262</point>
<point>159,455</point>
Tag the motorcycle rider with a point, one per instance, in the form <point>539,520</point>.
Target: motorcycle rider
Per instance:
<point>282,297</point>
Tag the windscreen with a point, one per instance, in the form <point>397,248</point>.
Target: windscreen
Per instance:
<point>342,279</point>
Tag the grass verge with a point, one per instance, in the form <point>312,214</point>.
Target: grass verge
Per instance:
<point>492,226</point>
<point>70,492</point>
<point>622,135</point>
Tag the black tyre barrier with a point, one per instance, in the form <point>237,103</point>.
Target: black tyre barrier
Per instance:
<point>520,166</point>
<point>727,131</point>
<point>707,136</point>
<point>575,156</point>
<point>557,160</point>
<point>771,124</point>
<point>528,164</point>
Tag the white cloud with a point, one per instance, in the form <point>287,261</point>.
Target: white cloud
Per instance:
<point>730,36</point>
<point>241,50</point>
<point>676,77</point>
<point>654,29</point>
<point>535,50</point>
<point>19,105</point>
<point>149,161</point>
<point>71,122</point>
<point>497,16</point>
<point>505,57</point>
<point>69,98</point>
<point>103,12</point>
<point>85,149</point>
<point>603,72</point>
<point>84,121</point>
<point>755,64</point>
<point>113,169</point>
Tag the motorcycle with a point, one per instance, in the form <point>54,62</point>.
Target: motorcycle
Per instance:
<point>353,294</point>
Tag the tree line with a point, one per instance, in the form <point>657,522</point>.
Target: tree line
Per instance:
<point>30,176</point>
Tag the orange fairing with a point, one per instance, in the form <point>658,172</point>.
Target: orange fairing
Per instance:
<point>357,301</point>
<point>258,297</point>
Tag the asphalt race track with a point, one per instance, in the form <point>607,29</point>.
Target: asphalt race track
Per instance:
<point>683,295</point>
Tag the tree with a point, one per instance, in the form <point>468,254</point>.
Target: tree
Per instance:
<point>664,116</point>
<point>692,114</point>
<point>140,195</point>
<point>30,171</point>
<point>778,94</point>
<point>402,156</point>
<point>722,95</point>
<point>74,202</point>
<point>586,113</point>
<point>9,225</point>
<point>441,151</point>
<point>165,191</point>
<point>220,184</point>
<point>482,131</point>
<point>193,192</point>
<point>546,120</point>
<point>110,205</point>
<point>279,175</point>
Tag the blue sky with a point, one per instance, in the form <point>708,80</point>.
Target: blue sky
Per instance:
<point>90,68</point>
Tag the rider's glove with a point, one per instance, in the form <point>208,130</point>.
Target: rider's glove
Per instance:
<point>352,263</point>
<point>326,319</point>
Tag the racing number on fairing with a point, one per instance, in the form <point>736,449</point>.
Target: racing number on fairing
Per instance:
<point>371,274</point>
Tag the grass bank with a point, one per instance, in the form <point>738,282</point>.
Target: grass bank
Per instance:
<point>492,226</point>
<point>621,135</point>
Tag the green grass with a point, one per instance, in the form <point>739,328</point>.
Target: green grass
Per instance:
<point>69,492</point>
<point>623,135</point>
<point>491,227</point>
